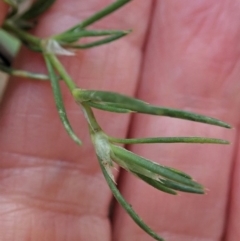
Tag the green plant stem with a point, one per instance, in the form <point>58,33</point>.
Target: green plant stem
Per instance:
<point>94,126</point>
<point>89,115</point>
<point>22,35</point>
<point>23,74</point>
<point>62,72</point>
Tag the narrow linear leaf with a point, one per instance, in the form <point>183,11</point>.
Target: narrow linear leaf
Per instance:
<point>139,106</point>
<point>156,184</point>
<point>76,35</point>
<point>108,107</point>
<point>166,185</point>
<point>127,207</point>
<point>155,180</point>
<point>181,187</point>
<point>98,43</point>
<point>153,167</point>
<point>107,97</point>
<point>183,174</point>
<point>132,167</point>
<point>99,15</point>
<point>59,102</point>
<point>23,74</point>
<point>195,139</point>
<point>37,9</point>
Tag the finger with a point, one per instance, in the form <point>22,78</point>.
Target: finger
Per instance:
<point>50,187</point>
<point>191,63</point>
<point>233,219</point>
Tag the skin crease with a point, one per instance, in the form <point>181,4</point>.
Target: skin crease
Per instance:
<point>190,61</point>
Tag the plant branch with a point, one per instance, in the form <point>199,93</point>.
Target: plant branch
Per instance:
<point>99,15</point>
<point>62,72</point>
<point>58,100</point>
<point>22,35</point>
<point>128,208</point>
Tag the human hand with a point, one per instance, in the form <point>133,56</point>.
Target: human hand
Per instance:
<point>53,190</point>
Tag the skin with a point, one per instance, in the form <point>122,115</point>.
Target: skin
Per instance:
<point>182,54</point>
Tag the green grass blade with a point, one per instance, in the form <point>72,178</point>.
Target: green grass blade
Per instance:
<point>133,168</point>
<point>99,15</point>
<point>182,187</point>
<point>127,207</point>
<point>199,140</point>
<point>76,35</point>
<point>156,184</point>
<point>126,102</point>
<point>108,107</point>
<point>168,185</point>
<point>59,102</point>
<point>155,180</point>
<point>183,174</point>
<point>106,96</point>
<point>165,172</point>
<point>98,42</point>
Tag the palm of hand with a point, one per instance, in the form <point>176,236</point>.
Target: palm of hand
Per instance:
<point>52,190</point>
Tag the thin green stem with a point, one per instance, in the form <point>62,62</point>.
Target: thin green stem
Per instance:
<point>62,72</point>
<point>22,35</point>
<point>101,14</point>
<point>89,115</point>
<point>195,139</point>
<point>23,74</point>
